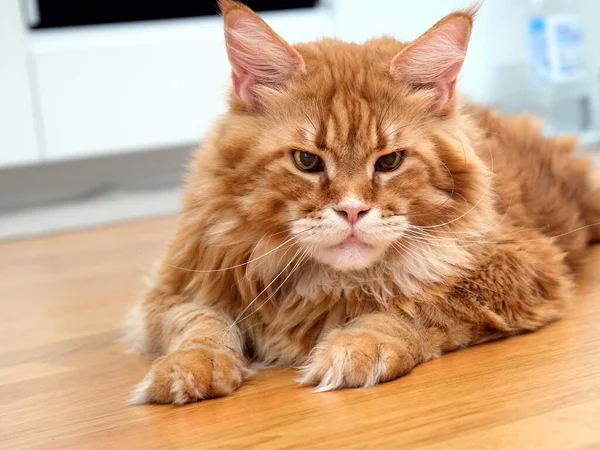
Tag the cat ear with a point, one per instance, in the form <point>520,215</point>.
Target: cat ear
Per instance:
<point>258,56</point>
<point>434,60</point>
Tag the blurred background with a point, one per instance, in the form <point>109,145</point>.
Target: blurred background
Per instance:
<point>102,101</point>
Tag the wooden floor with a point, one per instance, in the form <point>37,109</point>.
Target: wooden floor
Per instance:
<point>64,381</point>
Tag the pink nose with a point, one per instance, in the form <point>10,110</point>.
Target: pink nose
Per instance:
<point>352,211</point>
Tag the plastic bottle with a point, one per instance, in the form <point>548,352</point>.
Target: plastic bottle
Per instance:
<point>559,83</point>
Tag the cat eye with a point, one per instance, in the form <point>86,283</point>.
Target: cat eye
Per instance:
<point>308,162</point>
<point>389,162</point>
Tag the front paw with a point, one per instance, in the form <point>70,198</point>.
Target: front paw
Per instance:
<point>186,376</point>
<point>356,358</point>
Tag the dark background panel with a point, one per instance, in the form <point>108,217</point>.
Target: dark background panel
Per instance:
<point>64,13</point>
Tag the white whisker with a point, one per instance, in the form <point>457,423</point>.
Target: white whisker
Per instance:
<point>237,319</point>
<point>270,296</point>
<point>223,269</point>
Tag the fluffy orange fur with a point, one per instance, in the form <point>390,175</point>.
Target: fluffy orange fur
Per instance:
<point>474,236</point>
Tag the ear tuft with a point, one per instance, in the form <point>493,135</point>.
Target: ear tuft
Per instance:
<point>227,5</point>
<point>258,56</point>
<point>434,60</point>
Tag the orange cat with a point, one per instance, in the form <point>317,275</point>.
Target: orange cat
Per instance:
<point>352,217</point>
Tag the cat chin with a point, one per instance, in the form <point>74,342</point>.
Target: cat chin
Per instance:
<point>350,257</point>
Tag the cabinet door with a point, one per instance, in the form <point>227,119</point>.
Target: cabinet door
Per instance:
<point>18,143</point>
<point>131,87</point>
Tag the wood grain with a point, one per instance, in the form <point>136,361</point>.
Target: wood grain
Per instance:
<point>64,381</point>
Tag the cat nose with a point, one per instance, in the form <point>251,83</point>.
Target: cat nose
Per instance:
<point>352,211</point>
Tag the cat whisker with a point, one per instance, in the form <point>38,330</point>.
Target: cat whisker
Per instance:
<point>508,241</point>
<point>256,267</point>
<point>297,241</point>
<point>272,294</point>
<point>249,305</point>
<point>262,238</point>
<point>464,242</point>
<point>426,233</point>
<point>223,269</point>
<point>402,248</point>
<point>511,241</point>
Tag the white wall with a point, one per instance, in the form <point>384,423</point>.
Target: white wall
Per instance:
<point>359,20</point>
<point>17,128</point>
<point>499,36</point>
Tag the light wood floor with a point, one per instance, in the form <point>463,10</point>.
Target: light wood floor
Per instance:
<point>64,381</point>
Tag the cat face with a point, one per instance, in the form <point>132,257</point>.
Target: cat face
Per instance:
<point>370,174</point>
<point>357,174</point>
<point>336,149</point>
<point>353,173</point>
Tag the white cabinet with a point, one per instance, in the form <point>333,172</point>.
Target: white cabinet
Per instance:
<point>18,143</point>
<point>115,88</point>
<point>133,87</point>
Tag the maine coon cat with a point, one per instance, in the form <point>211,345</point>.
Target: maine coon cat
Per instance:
<point>351,216</point>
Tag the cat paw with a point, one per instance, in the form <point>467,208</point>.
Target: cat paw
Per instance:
<point>356,358</point>
<point>191,375</point>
